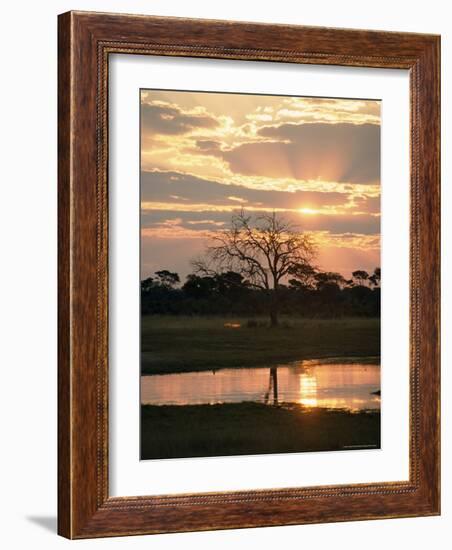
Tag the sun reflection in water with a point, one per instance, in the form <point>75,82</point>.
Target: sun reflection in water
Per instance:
<point>308,390</point>
<point>332,385</point>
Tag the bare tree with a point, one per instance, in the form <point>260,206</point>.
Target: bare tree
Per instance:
<point>264,251</point>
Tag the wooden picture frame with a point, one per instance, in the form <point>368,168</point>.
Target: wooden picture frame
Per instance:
<point>85,42</point>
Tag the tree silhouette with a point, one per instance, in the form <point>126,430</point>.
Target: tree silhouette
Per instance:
<point>375,278</point>
<point>326,279</point>
<point>304,277</point>
<point>360,276</point>
<point>264,251</point>
<point>167,279</point>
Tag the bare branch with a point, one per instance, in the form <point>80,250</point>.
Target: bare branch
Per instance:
<point>263,252</point>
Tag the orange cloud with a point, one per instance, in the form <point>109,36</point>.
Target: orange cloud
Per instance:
<point>315,161</point>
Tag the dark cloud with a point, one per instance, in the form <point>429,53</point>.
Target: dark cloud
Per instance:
<point>173,187</point>
<point>208,145</point>
<point>368,204</point>
<point>169,120</point>
<point>199,220</point>
<point>362,224</point>
<point>330,152</point>
<point>337,224</point>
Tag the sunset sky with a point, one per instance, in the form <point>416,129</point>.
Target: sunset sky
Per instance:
<point>206,155</point>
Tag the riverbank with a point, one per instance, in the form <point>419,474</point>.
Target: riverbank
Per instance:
<point>252,428</point>
<point>171,344</point>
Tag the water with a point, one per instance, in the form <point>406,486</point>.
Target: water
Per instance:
<point>337,385</point>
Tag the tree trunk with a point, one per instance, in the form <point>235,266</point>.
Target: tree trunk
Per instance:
<point>274,317</point>
<point>274,377</point>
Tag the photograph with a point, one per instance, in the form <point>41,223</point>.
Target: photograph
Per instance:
<point>260,274</point>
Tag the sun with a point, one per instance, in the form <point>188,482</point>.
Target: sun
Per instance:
<point>308,211</point>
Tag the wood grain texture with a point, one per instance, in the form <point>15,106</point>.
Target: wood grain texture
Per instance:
<point>85,42</point>
<point>64,296</point>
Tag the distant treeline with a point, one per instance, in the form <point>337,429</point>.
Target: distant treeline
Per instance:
<point>316,294</point>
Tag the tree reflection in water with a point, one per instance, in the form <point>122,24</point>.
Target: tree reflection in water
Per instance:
<point>272,385</point>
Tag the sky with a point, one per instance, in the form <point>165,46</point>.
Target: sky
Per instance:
<point>314,161</point>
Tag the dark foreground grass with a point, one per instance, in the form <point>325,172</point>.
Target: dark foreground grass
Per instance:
<point>252,428</point>
<point>183,344</point>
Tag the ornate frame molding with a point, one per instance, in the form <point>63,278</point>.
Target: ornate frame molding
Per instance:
<point>85,42</point>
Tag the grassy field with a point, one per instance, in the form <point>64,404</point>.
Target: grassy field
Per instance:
<point>183,344</point>
<point>252,428</point>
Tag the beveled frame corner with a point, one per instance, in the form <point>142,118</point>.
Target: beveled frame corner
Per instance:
<point>85,42</point>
